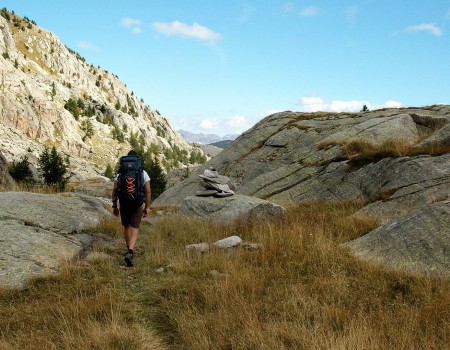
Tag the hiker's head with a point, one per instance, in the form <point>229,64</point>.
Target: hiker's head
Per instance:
<point>132,153</point>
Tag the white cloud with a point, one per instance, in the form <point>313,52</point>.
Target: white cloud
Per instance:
<point>427,27</point>
<point>132,23</point>
<point>195,31</point>
<point>309,11</point>
<point>87,45</point>
<point>238,124</point>
<point>392,104</point>
<point>346,106</point>
<point>129,22</point>
<point>313,104</point>
<point>316,104</point>
<point>209,124</point>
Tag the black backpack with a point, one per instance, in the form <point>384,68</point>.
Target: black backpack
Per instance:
<point>131,181</point>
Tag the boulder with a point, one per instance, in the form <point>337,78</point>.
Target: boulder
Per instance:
<point>6,181</point>
<point>228,242</point>
<point>291,157</point>
<point>416,242</point>
<point>38,232</point>
<point>231,208</point>
<point>95,186</point>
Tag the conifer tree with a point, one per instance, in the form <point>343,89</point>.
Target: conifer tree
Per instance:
<point>54,168</point>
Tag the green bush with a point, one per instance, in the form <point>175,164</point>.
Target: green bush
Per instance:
<point>158,180</point>
<point>109,173</point>
<point>88,128</point>
<point>72,106</point>
<point>54,168</point>
<point>21,171</point>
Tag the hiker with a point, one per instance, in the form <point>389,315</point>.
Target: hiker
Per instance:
<point>132,190</point>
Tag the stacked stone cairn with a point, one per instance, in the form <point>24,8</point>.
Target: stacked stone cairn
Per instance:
<point>215,185</point>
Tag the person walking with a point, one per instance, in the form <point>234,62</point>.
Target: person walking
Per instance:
<point>133,192</point>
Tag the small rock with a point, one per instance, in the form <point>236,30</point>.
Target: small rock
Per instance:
<point>200,247</point>
<point>228,242</point>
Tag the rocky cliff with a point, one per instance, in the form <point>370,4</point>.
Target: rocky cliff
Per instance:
<point>384,155</point>
<point>397,161</point>
<point>50,96</point>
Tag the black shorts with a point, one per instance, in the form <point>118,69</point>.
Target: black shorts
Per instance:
<point>131,215</point>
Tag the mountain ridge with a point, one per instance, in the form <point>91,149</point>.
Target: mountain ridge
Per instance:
<point>50,96</point>
<point>191,137</point>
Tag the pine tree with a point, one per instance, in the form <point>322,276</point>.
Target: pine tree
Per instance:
<point>109,173</point>
<point>158,180</point>
<point>21,171</point>
<point>54,168</point>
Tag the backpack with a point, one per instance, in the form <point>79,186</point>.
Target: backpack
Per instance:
<point>131,181</point>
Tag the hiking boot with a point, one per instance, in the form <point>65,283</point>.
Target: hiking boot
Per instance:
<point>129,259</point>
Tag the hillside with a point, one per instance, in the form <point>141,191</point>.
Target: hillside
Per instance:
<point>50,96</point>
<point>395,161</point>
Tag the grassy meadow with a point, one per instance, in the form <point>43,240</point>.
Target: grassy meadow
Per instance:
<point>299,290</point>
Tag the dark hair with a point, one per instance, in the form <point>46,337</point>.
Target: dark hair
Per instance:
<point>132,153</point>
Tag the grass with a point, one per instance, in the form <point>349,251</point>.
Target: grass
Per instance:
<point>360,152</point>
<point>300,290</point>
<point>86,306</point>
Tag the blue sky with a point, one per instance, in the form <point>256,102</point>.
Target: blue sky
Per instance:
<point>219,66</point>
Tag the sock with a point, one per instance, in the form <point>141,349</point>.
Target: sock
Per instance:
<point>130,251</point>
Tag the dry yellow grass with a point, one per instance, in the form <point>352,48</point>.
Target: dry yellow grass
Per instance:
<point>86,306</point>
<point>301,290</point>
<point>360,152</point>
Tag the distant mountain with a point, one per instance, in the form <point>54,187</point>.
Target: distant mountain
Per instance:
<point>205,139</point>
<point>221,144</point>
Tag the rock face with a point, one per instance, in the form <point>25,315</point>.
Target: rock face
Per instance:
<point>295,157</point>
<point>416,242</point>
<point>6,181</point>
<point>231,208</point>
<point>290,158</point>
<point>38,232</point>
<point>40,76</point>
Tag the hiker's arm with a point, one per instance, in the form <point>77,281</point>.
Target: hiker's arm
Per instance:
<point>148,197</point>
<point>114,198</point>
<point>113,194</point>
<point>148,194</point>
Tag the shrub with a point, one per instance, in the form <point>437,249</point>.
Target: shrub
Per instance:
<point>72,106</point>
<point>21,171</point>
<point>158,180</point>
<point>87,127</point>
<point>54,168</point>
<point>117,134</point>
<point>109,173</point>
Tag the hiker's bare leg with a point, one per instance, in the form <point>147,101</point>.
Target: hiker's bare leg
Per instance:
<point>127,235</point>
<point>131,234</point>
